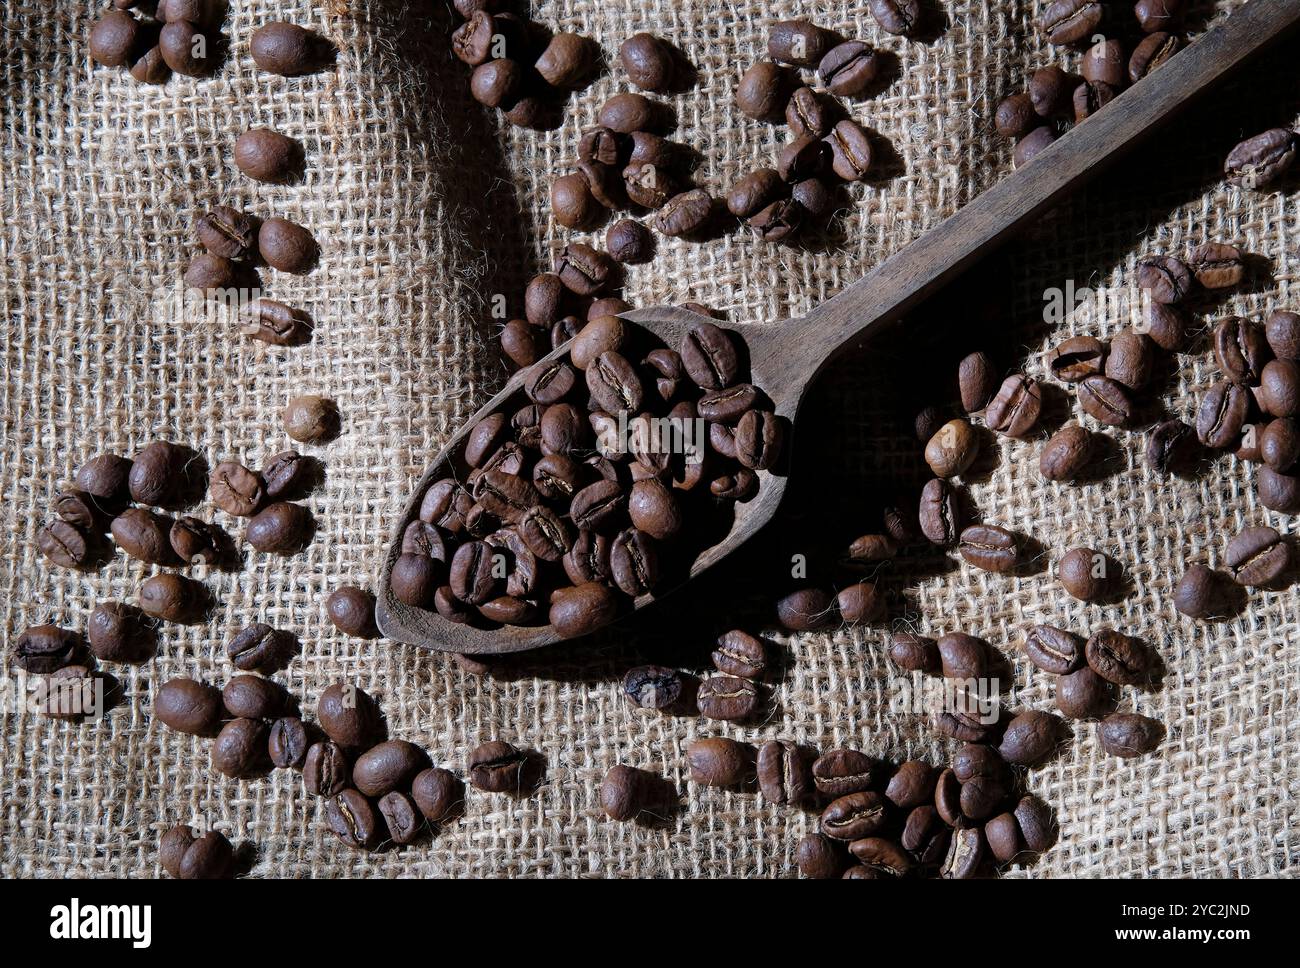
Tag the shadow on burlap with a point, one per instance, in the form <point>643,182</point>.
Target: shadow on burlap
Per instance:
<point>413,191</point>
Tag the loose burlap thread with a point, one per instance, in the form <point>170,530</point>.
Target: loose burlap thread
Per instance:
<point>425,208</point>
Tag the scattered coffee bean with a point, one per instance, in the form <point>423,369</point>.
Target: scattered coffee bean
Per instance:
<point>1053,650</point>
<point>1167,326</point>
<point>1170,446</point>
<point>240,749</point>
<point>1129,734</point>
<point>391,765</point>
<point>174,598</point>
<point>158,473</point>
<point>252,697</point>
<point>189,857</point>
<point>1131,359</point>
<point>914,653</point>
<point>1015,408</point>
<point>843,771</point>
<point>849,68</point>
<point>268,156</point>
<point>1282,330</point>
<point>652,687</point>
<point>311,419</point>
<point>353,820</point>
<point>1201,593</point>
<point>1015,116</point>
<point>1222,414</point>
<point>325,770</point>
<point>1279,388</point>
<point>1217,265</point>
<point>348,715</point>
<point>1240,349</point>
<point>436,792</point>
<point>567,60</point>
<point>901,17</point>
<point>621,792</point>
<point>1031,145</point>
<point>497,767</point>
<point>259,648</point>
<point>288,742</point>
<point>727,698</point>
<point>989,547</point>
<point>1106,400</point>
<point>720,762</point>
<point>1279,444</point>
<point>287,246</point>
<point>227,232</point>
<point>1086,574</point>
<point>1258,557</point>
<point>1070,21</point>
<point>1083,694</point>
<point>762,91</point>
<point>855,815</point>
<point>44,649</point>
<point>783,774</point>
<point>144,535</point>
<point>281,528</point>
<point>287,49</point>
<point>186,48</point>
<point>1066,454</point>
<point>1165,278</point>
<point>1118,658</point>
<point>940,513</point>
<point>1279,492</point>
<point>648,62</point>
<point>1153,51</point>
<point>352,610</point>
<point>819,857</point>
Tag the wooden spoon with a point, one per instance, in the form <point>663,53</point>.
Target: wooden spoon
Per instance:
<point>786,358</point>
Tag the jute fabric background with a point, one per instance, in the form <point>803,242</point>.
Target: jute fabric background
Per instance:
<point>424,208</point>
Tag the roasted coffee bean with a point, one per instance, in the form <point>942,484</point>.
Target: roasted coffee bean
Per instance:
<point>629,241</point>
<point>1066,454</point>
<point>281,528</point>
<point>268,156</point>
<point>779,220</point>
<point>207,272</point>
<point>79,509</point>
<point>1070,21</point>
<point>1076,358</point>
<point>188,706</point>
<point>311,419</point>
<point>572,202</point>
<point>709,356</point>
<point>567,59</point>
<point>484,36</point>
<point>901,17</point>
<point>805,610</point>
<point>348,715</point>
<point>626,113</point>
<point>549,383</point>
<point>599,506</point>
<point>401,817</point>
<point>1281,328</point>
<point>227,232</point>
<point>113,38</point>
<point>519,342</point>
<point>544,299</point>
<point>614,384</point>
<point>720,762</point>
<point>869,548</point>
<point>926,834</point>
<point>287,246</point>
<point>496,83</point>
<point>728,405</point>
<point>485,438</point>
<point>947,798</point>
<point>684,214</point>
<point>1053,650</point>
<point>728,698</point>
<point>1030,738</point>
<point>913,653</point>
<point>755,191</point>
<point>912,785</point>
<point>1169,447</point>
<point>353,820</point>
<point>192,858</point>
<point>259,648</point>
<point>1217,265</point>
<point>235,489</point>
<point>1128,734</point>
<point>1104,62</point>
<point>1258,557</point>
<point>1118,658</point>
<point>1015,116</point>
<point>1037,826</point>
<point>634,563</point>
<point>807,116</point>
<point>252,697</point>
<point>144,535</point>
<point>325,770</point>
<point>391,765</point>
<point>186,48</point>
<point>1032,145</point>
<point>1106,400</point>
<point>969,719</point>
<point>963,656</point>
<point>157,473</point>
<point>648,62</point>
<point>583,270</point>
<point>64,544</point>
<point>759,434</point>
<point>195,540</point>
<point>1153,15</point>
<point>843,771</point>
<point>1201,593</point>
<point>652,687</point>
<point>621,792</point>
<point>558,477</point>
<point>812,198</point>
<point>859,603</point>
<point>1279,492</point>
<point>1086,574</point>
<point>783,775</point>
<point>1240,349</point>
<point>1165,278</point>
<point>352,610</point>
<point>981,796</point>
<point>105,478</point>
<point>819,857</point>
<point>174,598</point>
<point>1131,359</point>
<point>148,67</point>
<point>1090,97</point>
<point>1084,695</point>
<point>940,512</point>
<point>1002,833</point>
<point>855,815</point>
<point>654,510</point>
<point>762,91</point>
<point>850,151</point>
<point>474,578</point>
<point>848,69</point>
<point>436,792</point>
<point>583,609</point>
<point>498,767</point>
<point>740,654</point>
<point>1167,326</point>
<point>798,42</point>
<point>649,185</point>
<point>989,547</point>
<point>977,381</point>
<point>1279,444</point>
<point>1154,50</point>
<point>1014,410</point>
<point>414,578</point>
<point>275,322</point>
<point>967,849</point>
<point>1222,414</point>
<point>287,49</point>
<point>287,742</point>
<point>240,749</point>
<point>286,474</point>
<point>1279,388</point>
<point>1051,91</point>
<point>44,649</point>
<point>588,559</point>
<point>882,856</point>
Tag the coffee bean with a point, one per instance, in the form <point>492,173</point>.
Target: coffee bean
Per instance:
<point>808,197</point>
<point>912,785</point>
<point>189,857</point>
<point>259,648</point>
<point>1240,349</point>
<point>779,220</point>
<point>720,762</point>
<point>496,83</point>
<point>287,49</point>
<point>240,749</point>
<point>1217,265</point>
<point>113,38</point>
<point>621,792</point>
<point>1084,695</point>
<point>583,609</point>
<point>1279,492</point>
<point>348,715</point>
<point>1118,658</point>
<point>268,156</point>
<point>1051,91</point>
<point>144,535</point>
<point>805,157</point>
<point>1104,63</point>
<point>311,419</point>
<point>819,857</point>
<point>1154,50</point>
<point>1014,410</point>
<point>850,151</point>
<point>389,766</point>
<point>882,857</point>
<point>1279,388</point>
<point>967,849</point>
<point>629,241</point>
<point>174,598</point>
<point>1165,278</point>
<point>1279,444</point>
<point>195,540</point>
<point>685,214</point>
<point>1281,328</point>
<point>401,817</point>
<point>572,203</point>
<point>275,322</point>
<point>157,473</point>
<point>436,792</point>
<point>709,356</point>
<point>977,381</point>
<point>947,798</point>
<point>567,60</point>
<point>1167,326</point>
<point>901,17</point>
<point>186,48</point>
<point>759,435</point>
<point>652,687</point>
<point>325,770</point>
<point>544,299</point>
<point>843,771</point>
<point>859,603</point>
<point>64,545</point>
<point>148,66</point>
<point>1169,447</point>
<point>282,528</point>
<point>1086,574</point>
<point>188,706</point>
<point>1201,593</point>
<point>1070,21</point>
<point>926,834</point>
<point>287,742</point>
<point>855,815</point>
<point>1053,650</point>
<point>497,767</point>
<point>634,563</point>
<point>648,62</point>
<point>848,69</point>
<point>1222,414</point>
<point>1015,116</point>
<point>235,489</point>
<point>1076,358</point>
<point>754,192</point>
<point>940,513</point>
<point>783,774</point>
<point>287,246</point>
<point>1066,454</point>
<point>209,272</point>
<point>1090,97</point>
<point>1258,557</point>
<point>44,649</point>
<point>762,91</point>
<point>1030,738</point>
<point>913,653</point>
<point>79,509</point>
<point>353,820</point>
<point>1153,15</point>
<point>805,610</point>
<point>252,697</point>
<point>1131,359</point>
<point>352,610</point>
<point>519,342</point>
<point>1002,834</point>
<point>1031,145</point>
<point>967,719</point>
<point>728,698</point>
<point>807,116</point>
<point>227,232</point>
<point>963,656</point>
<point>798,42</point>
<point>582,269</point>
<point>1129,735</point>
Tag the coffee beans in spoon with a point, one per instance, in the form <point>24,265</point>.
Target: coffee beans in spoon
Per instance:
<point>605,480</point>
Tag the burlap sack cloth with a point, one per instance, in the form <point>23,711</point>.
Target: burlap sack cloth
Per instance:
<point>416,195</point>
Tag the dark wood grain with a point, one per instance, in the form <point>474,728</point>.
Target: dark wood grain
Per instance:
<point>786,357</point>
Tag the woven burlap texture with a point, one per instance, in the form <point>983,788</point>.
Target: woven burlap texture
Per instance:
<point>415,194</point>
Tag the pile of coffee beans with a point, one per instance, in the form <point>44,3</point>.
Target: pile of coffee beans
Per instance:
<point>597,486</point>
<point>183,36</point>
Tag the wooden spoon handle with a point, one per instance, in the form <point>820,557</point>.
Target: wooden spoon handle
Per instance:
<point>908,277</point>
